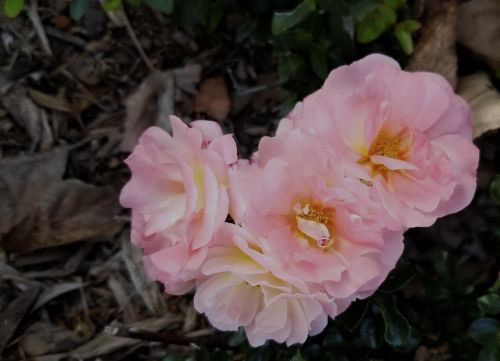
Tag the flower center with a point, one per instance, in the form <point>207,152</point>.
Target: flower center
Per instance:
<point>390,145</point>
<point>386,144</point>
<point>312,225</point>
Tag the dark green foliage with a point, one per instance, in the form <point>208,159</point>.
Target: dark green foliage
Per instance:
<point>11,8</point>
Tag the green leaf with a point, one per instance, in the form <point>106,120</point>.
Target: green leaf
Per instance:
<point>332,338</point>
<point>484,330</point>
<point>405,40</point>
<point>397,328</point>
<point>387,14</point>
<point>204,355</point>
<point>489,304</point>
<point>410,25</point>
<point>495,189</point>
<point>111,5</point>
<point>443,263</point>
<point>395,4</point>
<point>490,352</point>
<point>369,29</point>
<point>78,8</point>
<point>262,353</point>
<point>371,334</point>
<point>164,6</point>
<point>289,65</point>
<point>298,357</point>
<point>216,14</point>
<point>237,338</point>
<point>285,20</point>
<point>12,8</point>
<point>319,63</point>
<point>352,317</point>
<point>403,33</point>
<point>397,279</point>
<point>360,8</point>
<point>311,4</point>
<point>375,23</point>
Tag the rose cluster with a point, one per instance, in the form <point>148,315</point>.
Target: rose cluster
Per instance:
<point>315,220</point>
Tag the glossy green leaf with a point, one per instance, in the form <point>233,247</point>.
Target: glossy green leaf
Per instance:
<point>164,6</point>
<point>489,304</point>
<point>298,357</point>
<point>397,279</point>
<point>289,65</point>
<point>490,352</point>
<point>237,338</point>
<point>386,14</point>
<point>410,25</point>
<point>369,29</point>
<point>216,15</point>
<point>319,63</point>
<point>375,23</point>
<point>78,8</point>
<point>12,8</point>
<point>332,338</point>
<point>111,5</point>
<point>263,353</point>
<point>360,8</point>
<point>495,189</point>
<point>483,330</point>
<point>405,40</point>
<point>395,4</point>
<point>397,328</point>
<point>283,21</point>
<point>352,317</point>
<point>443,263</point>
<point>371,334</point>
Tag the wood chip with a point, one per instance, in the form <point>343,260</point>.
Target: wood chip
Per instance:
<point>435,50</point>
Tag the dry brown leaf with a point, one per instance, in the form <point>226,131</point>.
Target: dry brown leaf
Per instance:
<point>479,29</point>
<point>52,292</point>
<point>104,344</point>
<point>484,100</point>
<point>187,77</point>
<point>50,101</point>
<point>42,338</point>
<point>14,313</point>
<point>149,291</point>
<point>213,99</point>
<point>40,210</point>
<point>151,104</point>
<point>435,50</point>
<point>29,116</point>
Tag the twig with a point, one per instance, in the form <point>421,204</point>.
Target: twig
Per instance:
<point>37,24</point>
<point>246,90</point>
<point>71,39</point>
<point>138,46</point>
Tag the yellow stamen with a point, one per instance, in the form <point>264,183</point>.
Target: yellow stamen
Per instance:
<point>385,144</point>
<point>312,225</point>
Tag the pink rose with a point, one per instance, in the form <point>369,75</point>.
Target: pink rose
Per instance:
<point>244,287</point>
<point>409,130</point>
<point>178,195</point>
<point>316,220</point>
